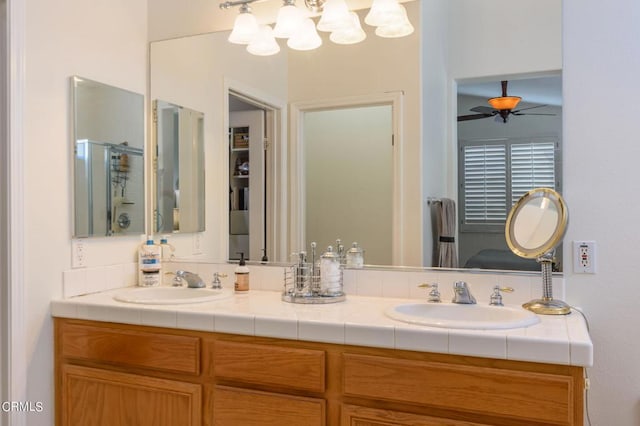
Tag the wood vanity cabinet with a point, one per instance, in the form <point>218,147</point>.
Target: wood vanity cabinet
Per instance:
<point>115,374</point>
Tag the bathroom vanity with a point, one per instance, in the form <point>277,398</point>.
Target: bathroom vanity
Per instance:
<point>254,360</point>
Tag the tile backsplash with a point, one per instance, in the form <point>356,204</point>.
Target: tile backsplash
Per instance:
<point>364,282</point>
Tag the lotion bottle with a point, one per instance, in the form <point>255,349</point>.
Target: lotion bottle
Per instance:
<point>149,264</point>
<point>241,284</point>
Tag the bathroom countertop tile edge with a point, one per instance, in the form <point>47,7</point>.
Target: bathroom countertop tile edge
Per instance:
<point>556,339</point>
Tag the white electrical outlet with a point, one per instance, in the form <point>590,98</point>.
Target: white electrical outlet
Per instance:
<point>78,254</point>
<point>584,257</point>
<point>197,243</point>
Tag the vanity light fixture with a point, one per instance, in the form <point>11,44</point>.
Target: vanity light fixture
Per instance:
<point>294,24</point>
<point>245,27</point>
<point>398,27</point>
<point>264,43</point>
<point>289,19</point>
<point>352,35</point>
<point>306,37</point>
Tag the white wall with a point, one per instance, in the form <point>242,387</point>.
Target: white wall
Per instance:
<point>601,65</point>
<point>103,41</point>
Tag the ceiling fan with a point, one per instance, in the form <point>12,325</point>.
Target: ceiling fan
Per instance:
<point>501,108</point>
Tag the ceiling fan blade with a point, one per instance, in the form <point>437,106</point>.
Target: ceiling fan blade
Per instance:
<point>531,107</point>
<point>484,110</point>
<point>473,117</point>
<point>531,113</point>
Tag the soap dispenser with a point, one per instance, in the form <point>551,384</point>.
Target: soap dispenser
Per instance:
<point>241,284</point>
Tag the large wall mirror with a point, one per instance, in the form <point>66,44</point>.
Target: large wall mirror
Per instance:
<point>108,147</point>
<point>179,143</point>
<point>446,50</point>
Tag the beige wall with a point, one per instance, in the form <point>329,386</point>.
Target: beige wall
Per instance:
<point>349,179</point>
<point>600,67</point>
<point>374,66</point>
<point>192,72</point>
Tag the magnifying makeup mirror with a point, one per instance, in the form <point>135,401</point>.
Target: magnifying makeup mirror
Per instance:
<point>535,226</point>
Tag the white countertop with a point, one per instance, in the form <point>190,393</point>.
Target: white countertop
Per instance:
<point>360,320</point>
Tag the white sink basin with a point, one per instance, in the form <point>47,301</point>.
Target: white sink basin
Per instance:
<point>170,295</point>
<point>453,315</point>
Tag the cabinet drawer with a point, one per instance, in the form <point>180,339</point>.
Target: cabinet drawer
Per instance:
<point>293,368</point>
<point>234,406</point>
<point>352,415</point>
<point>157,351</point>
<point>516,394</point>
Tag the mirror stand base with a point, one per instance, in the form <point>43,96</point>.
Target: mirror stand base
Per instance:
<point>548,306</point>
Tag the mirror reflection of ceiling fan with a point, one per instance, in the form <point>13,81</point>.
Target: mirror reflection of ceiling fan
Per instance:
<point>501,108</point>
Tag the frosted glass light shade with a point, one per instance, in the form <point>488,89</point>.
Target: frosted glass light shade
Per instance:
<point>504,102</point>
<point>384,12</point>
<point>245,27</point>
<point>264,44</point>
<point>401,28</point>
<point>289,19</point>
<point>306,37</point>
<point>352,35</point>
<point>335,16</point>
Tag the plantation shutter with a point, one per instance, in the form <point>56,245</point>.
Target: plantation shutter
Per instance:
<point>485,183</point>
<point>532,166</point>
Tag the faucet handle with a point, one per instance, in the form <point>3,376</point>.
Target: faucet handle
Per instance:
<point>216,284</point>
<point>496,297</point>
<point>177,281</point>
<point>434,294</point>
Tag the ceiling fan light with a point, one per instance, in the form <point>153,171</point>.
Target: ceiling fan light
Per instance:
<point>352,35</point>
<point>398,28</point>
<point>306,37</point>
<point>264,43</point>
<point>245,27</point>
<point>504,102</point>
<point>383,12</point>
<point>289,19</point>
<point>335,16</point>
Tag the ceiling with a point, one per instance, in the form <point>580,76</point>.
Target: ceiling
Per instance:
<point>540,90</point>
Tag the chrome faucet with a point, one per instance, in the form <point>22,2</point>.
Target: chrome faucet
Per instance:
<point>193,280</point>
<point>462,294</point>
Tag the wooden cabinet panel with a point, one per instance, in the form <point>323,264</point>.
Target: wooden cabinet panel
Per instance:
<point>522,395</point>
<point>123,346</point>
<point>293,368</point>
<point>352,415</point>
<point>105,398</point>
<point>243,407</point>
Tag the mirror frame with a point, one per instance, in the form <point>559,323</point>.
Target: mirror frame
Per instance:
<point>558,233</point>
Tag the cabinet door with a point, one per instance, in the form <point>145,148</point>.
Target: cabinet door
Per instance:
<point>105,398</point>
<point>244,407</point>
<point>362,416</point>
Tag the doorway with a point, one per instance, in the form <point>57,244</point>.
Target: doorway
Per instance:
<point>336,190</point>
<point>254,189</point>
<point>348,166</point>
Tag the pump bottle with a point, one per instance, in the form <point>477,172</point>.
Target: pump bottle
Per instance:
<point>241,284</point>
<point>149,264</point>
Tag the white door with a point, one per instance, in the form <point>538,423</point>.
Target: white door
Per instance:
<point>252,211</point>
